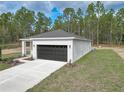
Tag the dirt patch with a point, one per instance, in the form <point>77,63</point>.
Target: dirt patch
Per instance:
<point>15,63</point>
<point>10,51</point>
<point>29,58</point>
<point>13,50</point>
<point>120,52</point>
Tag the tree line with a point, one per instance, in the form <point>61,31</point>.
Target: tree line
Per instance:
<point>100,25</point>
<point>23,23</point>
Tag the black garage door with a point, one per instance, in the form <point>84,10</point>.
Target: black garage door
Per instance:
<point>52,52</point>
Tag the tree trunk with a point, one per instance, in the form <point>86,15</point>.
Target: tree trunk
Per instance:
<point>68,27</point>
<point>79,32</point>
<point>111,35</point>
<point>121,35</point>
<point>0,54</point>
<point>92,35</point>
<point>98,32</point>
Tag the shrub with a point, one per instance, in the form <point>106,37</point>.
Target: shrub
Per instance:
<point>9,59</point>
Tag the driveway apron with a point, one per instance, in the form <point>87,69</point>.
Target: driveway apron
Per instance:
<point>25,76</point>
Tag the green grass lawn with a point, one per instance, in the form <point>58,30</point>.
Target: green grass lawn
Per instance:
<point>4,66</point>
<point>7,60</point>
<point>100,70</point>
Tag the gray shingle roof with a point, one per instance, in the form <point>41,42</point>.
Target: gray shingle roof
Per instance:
<point>57,33</point>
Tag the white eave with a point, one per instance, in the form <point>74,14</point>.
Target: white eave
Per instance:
<point>57,38</point>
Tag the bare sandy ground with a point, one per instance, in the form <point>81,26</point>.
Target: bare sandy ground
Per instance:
<point>120,52</point>
<point>10,51</point>
<point>13,50</point>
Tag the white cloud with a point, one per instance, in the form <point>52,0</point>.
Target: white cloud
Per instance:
<point>113,4</point>
<point>3,8</point>
<point>49,6</point>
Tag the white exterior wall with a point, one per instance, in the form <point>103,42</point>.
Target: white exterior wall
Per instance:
<point>80,48</point>
<point>23,48</point>
<point>54,42</point>
<point>75,48</point>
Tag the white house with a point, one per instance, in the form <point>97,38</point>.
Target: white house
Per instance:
<point>57,45</point>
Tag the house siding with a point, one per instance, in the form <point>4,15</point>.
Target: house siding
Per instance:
<point>80,48</point>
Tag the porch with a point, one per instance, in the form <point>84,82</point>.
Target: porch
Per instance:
<point>26,48</point>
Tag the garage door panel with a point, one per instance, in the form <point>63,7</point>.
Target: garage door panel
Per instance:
<point>52,52</point>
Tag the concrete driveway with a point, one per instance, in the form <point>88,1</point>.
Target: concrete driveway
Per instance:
<point>25,76</point>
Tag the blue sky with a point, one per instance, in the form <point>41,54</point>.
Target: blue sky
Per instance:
<point>53,8</point>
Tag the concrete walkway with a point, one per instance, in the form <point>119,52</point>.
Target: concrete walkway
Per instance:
<point>25,76</point>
